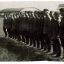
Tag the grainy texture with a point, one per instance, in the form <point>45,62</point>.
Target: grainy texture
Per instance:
<point>13,50</point>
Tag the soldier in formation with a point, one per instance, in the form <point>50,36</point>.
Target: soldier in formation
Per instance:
<point>38,29</point>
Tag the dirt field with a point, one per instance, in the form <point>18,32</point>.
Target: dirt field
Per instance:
<point>12,50</point>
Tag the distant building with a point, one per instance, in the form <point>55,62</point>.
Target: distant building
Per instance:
<point>61,6</point>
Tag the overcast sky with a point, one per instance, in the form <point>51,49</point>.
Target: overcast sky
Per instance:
<point>41,5</point>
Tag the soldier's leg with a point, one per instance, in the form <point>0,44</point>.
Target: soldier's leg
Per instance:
<point>15,33</point>
<point>27,37</point>
<point>42,41</point>
<point>38,44</point>
<point>31,40</point>
<point>5,31</point>
<point>10,33</point>
<point>48,43</point>
<point>62,43</point>
<point>27,40</point>
<point>5,34</point>
<point>56,47</point>
<point>58,50</point>
<point>15,36</point>
<point>34,42</point>
<point>38,40</point>
<point>23,39</point>
<point>45,42</point>
<point>19,37</point>
<point>30,37</point>
<point>42,44</point>
<point>55,43</point>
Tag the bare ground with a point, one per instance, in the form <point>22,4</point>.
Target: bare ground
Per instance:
<point>12,50</point>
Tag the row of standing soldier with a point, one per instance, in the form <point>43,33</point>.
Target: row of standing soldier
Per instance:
<point>38,29</point>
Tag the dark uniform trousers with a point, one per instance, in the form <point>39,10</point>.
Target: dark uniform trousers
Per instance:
<point>55,40</point>
<point>62,32</point>
<point>46,43</point>
<point>46,39</point>
<point>56,47</point>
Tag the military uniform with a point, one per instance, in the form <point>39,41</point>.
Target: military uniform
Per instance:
<point>55,33</point>
<point>62,31</point>
<point>45,33</point>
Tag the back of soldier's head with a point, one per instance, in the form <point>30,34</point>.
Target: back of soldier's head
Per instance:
<point>56,15</point>
<point>61,12</point>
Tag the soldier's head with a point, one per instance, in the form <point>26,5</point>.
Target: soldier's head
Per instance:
<point>9,15</point>
<point>41,13</point>
<point>56,15</point>
<point>30,14</point>
<point>25,12</point>
<point>5,16</point>
<point>51,14</point>
<point>17,16</point>
<point>20,14</point>
<point>35,14</point>
<point>45,11</point>
<point>61,12</point>
<point>13,16</point>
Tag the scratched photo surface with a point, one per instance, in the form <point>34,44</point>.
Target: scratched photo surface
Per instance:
<point>32,31</point>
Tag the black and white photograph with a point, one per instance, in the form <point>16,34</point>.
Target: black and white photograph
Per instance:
<point>32,31</point>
